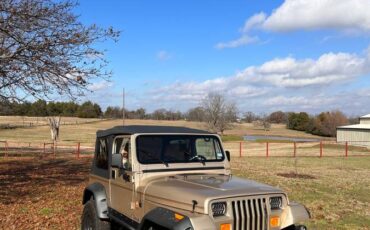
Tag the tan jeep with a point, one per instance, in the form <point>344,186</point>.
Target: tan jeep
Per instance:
<point>158,177</point>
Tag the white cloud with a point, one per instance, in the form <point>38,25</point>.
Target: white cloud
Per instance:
<point>329,68</point>
<point>348,16</point>
<point>303,102</point>
<point>98,86</point>
<point>316,14</point>
<point>247,91</point>
<point>163,55</point>
<point>267,85</point>
<point>253,22</point>
<point>364,92</point>
<point>243,40</point>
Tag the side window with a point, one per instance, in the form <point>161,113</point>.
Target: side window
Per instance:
<point>219,154</point>
<point>101,159</point>
<point>122,146</point>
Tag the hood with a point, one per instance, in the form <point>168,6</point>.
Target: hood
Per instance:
<point>182,190</point>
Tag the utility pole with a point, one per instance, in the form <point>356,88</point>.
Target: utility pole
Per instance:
<point>123,107</point>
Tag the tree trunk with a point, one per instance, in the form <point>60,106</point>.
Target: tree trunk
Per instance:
<point>54,124</point>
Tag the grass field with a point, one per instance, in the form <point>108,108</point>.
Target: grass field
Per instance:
<point>336,190</point>
<point>77,130</point>
<point>85,131</point>
<point>46,194</point>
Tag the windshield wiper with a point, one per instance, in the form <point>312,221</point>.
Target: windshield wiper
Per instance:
<point>202,159</point>
<point>153,157</point>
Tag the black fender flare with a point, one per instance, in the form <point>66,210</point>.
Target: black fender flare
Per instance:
<point>165,219</point>
<point>97,191</point>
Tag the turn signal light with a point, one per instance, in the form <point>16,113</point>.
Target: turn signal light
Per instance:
<point>225,227</point>
<point>275,221</point>
<point>178,217</point>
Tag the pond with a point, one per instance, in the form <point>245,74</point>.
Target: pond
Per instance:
<point>267,137</point>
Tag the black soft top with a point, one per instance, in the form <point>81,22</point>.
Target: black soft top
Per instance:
<point>145,129</point>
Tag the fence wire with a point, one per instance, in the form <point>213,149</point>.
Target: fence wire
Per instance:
<point>242,148</point>
<point>46,149</point>
<point>296,149</point>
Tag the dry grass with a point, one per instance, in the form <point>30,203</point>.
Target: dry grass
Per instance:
<point>85,132</point>
<point>338,196</point>
<point>276,130</point>
<point>286,149</point>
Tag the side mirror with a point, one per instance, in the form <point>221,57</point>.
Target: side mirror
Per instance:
<point>117,160</point>
<point>228,155</point>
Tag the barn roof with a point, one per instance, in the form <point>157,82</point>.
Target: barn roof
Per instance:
<point>366,116</point>
<point>146,129</point>
<point>357,126</point>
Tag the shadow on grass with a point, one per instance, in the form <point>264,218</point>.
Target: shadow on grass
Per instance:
<point>25,179</point>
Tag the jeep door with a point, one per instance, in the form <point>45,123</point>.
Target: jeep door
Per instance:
<point>121,185</point>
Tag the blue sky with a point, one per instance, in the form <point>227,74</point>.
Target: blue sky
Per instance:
<point>294,55</point>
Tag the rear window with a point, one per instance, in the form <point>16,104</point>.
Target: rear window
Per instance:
<point>153,149</point>
<point>101,156</point>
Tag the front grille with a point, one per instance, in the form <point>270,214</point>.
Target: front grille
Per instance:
<point>250,214</point>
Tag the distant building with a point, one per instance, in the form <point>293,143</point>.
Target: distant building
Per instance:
<point>358,134</point>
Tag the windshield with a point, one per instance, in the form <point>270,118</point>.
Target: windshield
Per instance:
<point>153,149</point>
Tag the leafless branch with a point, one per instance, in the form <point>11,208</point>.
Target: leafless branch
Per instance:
<point>45,50</point>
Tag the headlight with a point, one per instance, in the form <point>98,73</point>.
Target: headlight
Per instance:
<point>276,202</point>
<point>218,208</point>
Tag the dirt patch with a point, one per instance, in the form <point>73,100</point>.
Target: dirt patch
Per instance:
<point>296,175</point>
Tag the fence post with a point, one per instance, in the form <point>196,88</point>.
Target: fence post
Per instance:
<point>240,149</point>
<point>267,149</point>
<point>55,145</point>
<point>321,148</point>
<point>295,148</point>
<point>6,149</point>
<point>78,149</point>
<point>346,148</point>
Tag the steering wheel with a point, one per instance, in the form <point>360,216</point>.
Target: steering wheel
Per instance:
<point>198,157</point>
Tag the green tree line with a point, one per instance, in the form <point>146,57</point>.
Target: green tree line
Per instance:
<point>41,108</point>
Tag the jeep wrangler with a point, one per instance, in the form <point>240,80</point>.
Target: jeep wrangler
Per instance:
<point>158,177</point>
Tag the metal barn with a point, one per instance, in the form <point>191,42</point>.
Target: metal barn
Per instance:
<point>358,134</point>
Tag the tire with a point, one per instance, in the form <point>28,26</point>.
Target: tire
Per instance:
<point>298,227</point>
<point>291,227</point>
<point>90,219</point>
<point>153,226</point>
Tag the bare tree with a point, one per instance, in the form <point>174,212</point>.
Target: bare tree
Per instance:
<point>249,117</point>
<point>195,114</point>
<point>257,124</point>
<point>45,50</point>
<point>326,123</point>
<point>277,117</point>
<point>266,125</point>
<point>219,113</point>
<point>54,124</point>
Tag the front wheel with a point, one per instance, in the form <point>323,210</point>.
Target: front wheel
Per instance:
<point>90,219</point>
<point>296,227</point>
